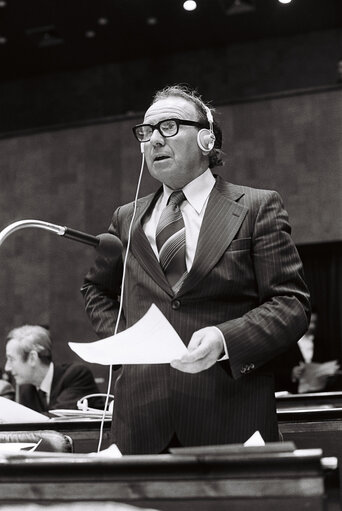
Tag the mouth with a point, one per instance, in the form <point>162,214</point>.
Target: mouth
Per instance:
<point>161,157</point>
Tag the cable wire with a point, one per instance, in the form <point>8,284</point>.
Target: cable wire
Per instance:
<point>121,298</point>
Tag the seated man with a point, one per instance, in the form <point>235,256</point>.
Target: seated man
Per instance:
<point>310,375</point>
<point>44,385</point>
<point>300,371</point>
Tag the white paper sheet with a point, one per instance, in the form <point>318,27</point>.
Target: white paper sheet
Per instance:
<point>10,411</point>
<point>152,340</point>
<point>16,446</point>
<point>255,440</point>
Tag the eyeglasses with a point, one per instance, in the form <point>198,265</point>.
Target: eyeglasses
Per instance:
<point>167,128</point>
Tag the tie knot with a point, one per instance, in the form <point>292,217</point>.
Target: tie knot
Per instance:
<point>176,198</point>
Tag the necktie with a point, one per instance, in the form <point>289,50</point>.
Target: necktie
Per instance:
<point>43,399</point>
<point>170,239</point>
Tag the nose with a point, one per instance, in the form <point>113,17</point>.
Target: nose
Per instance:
<point>7,366</point>
<point>157,138</point>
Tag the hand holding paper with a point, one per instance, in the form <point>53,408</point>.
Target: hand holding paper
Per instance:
<point>152,340</point>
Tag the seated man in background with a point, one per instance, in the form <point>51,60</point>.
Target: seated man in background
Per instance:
<point>44,385</point>
<point>314,376</point>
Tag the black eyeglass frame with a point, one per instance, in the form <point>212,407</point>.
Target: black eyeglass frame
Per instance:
<point>176,120</point>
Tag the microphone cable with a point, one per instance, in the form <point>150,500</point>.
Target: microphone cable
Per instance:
<point>121,297</point>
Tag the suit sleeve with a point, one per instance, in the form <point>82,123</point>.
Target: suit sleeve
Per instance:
<point>283,313</point>
<point>76,382</point>
<point>101,289</point>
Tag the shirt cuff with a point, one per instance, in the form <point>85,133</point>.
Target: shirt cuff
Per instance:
<point>225,356</point>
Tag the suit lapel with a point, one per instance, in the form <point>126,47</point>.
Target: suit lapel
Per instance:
<point>222,219</point>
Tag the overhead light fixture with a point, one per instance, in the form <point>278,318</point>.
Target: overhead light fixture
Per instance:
<point>190,5</point>
<point>285,1</point>
<point>152,20</point>
<point>90,34</point>
<point>231,7</point>
<point>44,36</point>
<point>102,21</point>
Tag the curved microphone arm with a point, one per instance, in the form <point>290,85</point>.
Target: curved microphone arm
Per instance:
<point>57,229</point>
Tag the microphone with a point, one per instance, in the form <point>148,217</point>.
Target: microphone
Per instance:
<point>105,242</point>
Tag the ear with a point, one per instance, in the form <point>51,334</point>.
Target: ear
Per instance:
<point>205,140</point>
<point>33,357</point>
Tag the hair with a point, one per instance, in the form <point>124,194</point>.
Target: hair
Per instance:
<point>33,338</point>
<point>182,91</point>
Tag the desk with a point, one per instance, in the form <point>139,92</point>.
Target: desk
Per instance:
<point>84,433</point>
<point>244,479</point>
<point>313,420</point>
<point>314,400</point>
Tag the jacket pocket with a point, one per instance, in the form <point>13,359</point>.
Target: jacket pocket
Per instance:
<point>240,244</point>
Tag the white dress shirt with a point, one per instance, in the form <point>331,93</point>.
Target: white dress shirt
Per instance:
<point>46,384</point>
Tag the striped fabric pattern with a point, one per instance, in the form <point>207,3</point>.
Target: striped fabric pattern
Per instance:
<point>170,239</point>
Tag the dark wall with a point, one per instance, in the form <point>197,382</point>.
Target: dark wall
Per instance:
<point>221,75</point>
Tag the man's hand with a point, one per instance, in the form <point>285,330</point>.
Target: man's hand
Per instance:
<point>204,349</point>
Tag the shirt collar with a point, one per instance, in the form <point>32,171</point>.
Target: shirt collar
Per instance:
<point>47,381</point>
<point>196,192</point>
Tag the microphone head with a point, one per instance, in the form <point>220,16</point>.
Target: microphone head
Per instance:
<point>109,244</point>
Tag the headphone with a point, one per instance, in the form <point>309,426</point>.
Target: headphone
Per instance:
<point>82,404</point>
<point>205,137</point>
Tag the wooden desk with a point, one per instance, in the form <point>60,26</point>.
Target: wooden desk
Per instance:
<point>311,421</point>
<point>293,402</point>
<point>84,433</point>
<point>244,479</point>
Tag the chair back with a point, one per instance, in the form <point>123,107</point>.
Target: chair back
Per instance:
<point>51,441</point>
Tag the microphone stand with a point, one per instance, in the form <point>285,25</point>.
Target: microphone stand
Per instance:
<point>82,237</point>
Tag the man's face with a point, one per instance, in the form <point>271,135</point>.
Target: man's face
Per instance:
<point>175,160</point>
<point>22,371</point>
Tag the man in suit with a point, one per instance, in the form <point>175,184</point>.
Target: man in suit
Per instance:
<point>240,302</point>
<point>44,385</point>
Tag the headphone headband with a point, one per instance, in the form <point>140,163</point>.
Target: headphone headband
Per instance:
<point>205,140</point>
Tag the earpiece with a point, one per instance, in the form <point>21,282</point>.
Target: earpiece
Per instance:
<point>142,147</point>
<point>205,140</point>
<point>205,137</point>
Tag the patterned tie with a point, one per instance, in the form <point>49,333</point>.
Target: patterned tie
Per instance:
<point>170,239</point>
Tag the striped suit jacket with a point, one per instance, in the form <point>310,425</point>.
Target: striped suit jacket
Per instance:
<point>247,280</point>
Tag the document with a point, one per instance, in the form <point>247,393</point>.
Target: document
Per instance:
<point>152,340</point>
<point>16,447</point>
<point>10,411</point>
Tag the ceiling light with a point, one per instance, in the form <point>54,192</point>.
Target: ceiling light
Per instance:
<point>102,21</point>
<point>231,7</point>
<point>285,1</point>
<point>152,20</point>
<point>189,5</point>
<point>90,34</point>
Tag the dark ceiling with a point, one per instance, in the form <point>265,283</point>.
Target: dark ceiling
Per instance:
<point>43,36</point>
